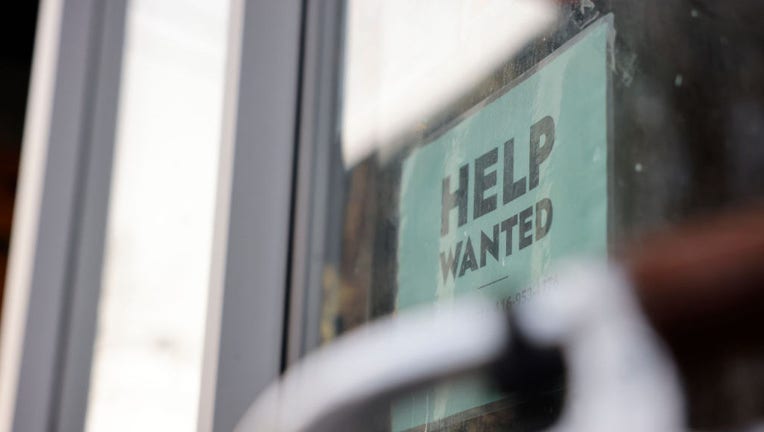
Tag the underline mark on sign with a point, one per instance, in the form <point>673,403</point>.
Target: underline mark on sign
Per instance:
<point>492,283</point>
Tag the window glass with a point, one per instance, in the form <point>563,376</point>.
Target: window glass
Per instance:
<point>481,142</point>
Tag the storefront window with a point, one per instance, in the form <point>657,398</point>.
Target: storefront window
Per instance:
<point>481,142</point>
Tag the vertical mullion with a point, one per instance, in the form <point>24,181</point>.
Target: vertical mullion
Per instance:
<point>73,160</point>
<point>245,328</point>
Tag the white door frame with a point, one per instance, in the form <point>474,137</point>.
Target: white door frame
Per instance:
<point>54,272</point>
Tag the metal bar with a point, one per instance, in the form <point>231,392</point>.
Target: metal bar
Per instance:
<point>318,162</point>
<point>86,272</point>
<point>57,246</point>
<point>246,310</point>
<point>222,211</point>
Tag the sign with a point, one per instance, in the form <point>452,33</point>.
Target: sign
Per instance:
<point>488,206</point>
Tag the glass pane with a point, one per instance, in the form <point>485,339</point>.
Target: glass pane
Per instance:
<point>148,354</point>
<point>484,141</point>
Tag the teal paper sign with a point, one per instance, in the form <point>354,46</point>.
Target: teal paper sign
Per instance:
<point>492,203</point>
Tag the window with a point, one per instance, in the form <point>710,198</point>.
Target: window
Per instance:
<point>481,142</point>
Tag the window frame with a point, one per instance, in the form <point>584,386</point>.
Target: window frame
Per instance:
<point>56,253</point>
